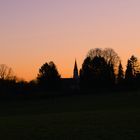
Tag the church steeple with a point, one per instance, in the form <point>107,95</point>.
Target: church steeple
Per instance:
<point>75,71</point>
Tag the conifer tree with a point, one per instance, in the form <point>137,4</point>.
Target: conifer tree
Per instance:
<point>120,76</point>
<point>132,68</point>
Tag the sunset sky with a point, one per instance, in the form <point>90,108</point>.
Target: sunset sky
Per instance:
<point>33,32</point>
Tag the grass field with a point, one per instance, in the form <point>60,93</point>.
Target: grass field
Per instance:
<point>77,117</point>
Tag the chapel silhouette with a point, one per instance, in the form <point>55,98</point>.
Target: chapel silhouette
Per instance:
<point>71,83</point>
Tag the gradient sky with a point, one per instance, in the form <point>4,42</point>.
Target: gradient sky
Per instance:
<point>33,32</point>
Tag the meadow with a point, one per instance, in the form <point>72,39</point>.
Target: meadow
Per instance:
<point>112,116</point>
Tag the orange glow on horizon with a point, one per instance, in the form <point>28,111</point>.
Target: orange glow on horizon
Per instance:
<point>34,32</point>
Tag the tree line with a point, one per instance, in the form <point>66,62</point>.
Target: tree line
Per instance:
<point>101,70</point>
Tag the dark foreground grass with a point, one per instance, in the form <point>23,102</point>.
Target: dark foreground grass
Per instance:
<point>79,117</point>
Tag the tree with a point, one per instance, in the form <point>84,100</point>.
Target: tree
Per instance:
<point>6,73</point>
<point>101,71</point>
<point>111,57</point>
<point>120,77</point>
<point>86,74</point>
<point>95,52</point>
<point>132,68</point>
<point>7,79</point>
<point>98,68</point>
<point>132,73</point>
<point>48,77</point>
<point>108,54</point>
<point>129,71</point>
<point>93,71</point>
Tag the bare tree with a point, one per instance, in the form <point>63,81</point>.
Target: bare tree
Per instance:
<point>108,54</point>
<point>6,73</point>
<point>95,52</point>
<point>111,56</point>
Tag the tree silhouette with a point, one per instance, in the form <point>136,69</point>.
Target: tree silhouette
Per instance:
<point>132,68</point>
<point>86,74</point>
<point>108,54</point>
<point>120,77</point>
<point>101,71</point>
<point>111,57</point>
<point>7,79</point>
<point>132,72</point>
<point>48,77</point>
<point>98,69</point>
<point>6,73</point>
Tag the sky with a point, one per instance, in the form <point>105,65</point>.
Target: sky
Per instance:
<point>33,32</point>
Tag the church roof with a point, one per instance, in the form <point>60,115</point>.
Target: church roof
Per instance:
<point>75,65</point>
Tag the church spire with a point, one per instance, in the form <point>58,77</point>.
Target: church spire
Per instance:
<point>75,71</point>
